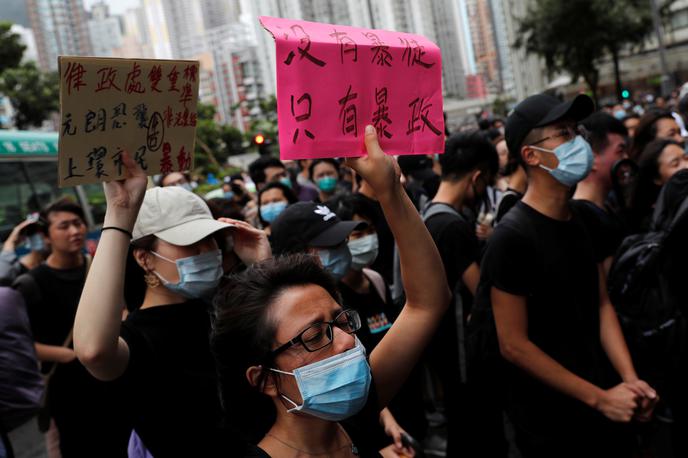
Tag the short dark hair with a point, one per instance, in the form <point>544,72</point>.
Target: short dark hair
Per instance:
<point>320,161</point>
<point>348,205</point>
<point>599,125</point>
<point>286,190</point>
<point>63,205</point>
<point>646,131</point>
<point>256,169</point>
<point>465,152</point>
<point>242,330</point>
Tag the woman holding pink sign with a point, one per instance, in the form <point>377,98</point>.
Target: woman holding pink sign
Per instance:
<point>280,330</point>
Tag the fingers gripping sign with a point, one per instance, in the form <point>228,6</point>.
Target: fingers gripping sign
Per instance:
<point>378,169</point>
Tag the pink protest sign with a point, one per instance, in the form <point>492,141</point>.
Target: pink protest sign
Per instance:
<point>333,80</point>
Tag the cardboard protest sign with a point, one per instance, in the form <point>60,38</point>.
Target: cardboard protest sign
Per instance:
<point>143,106</point>
<point>333,80</point>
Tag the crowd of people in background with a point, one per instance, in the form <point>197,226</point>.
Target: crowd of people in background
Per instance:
<point>518,295</point>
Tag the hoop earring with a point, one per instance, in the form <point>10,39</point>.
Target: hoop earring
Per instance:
<point>152,280</point>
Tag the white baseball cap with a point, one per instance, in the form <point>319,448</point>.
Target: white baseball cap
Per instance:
<point>176,216</point>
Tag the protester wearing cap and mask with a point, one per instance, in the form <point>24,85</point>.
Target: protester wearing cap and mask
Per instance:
<point>272,200</point>
<point>160,355</point>
<point>555,325</point>
<point>297,343</point>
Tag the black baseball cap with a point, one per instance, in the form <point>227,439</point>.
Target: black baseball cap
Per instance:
<point>541,110</point>
<point>307,224</point>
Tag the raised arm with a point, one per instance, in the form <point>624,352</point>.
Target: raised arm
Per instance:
<point>98,318</point>
<point>427,293</point>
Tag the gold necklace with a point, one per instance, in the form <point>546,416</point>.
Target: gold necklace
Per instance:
<point>354,449</point>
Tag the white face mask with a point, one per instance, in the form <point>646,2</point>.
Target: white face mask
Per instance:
<point>363,251</point>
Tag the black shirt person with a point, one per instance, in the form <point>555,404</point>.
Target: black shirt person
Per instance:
<point>469,165</point>
<point>80,405</point>
<point>608,138</point>
<point>556,327</point>
<point>160,356</point>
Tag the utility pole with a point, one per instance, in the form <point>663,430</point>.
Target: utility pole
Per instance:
<point>667,82</point>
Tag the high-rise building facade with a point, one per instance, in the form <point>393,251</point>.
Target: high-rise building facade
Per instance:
<point>480,20</point>
<point>105,30</point>
<point>60,28</point>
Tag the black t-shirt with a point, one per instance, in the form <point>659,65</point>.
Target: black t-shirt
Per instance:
<point>377,317</point>
<point>554,266</point>
<point>604,228</point>
<point>458,247</point>
<point>170,381</point>
<point>84,408</point>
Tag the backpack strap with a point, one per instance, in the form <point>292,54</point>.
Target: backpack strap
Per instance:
<point>378,283</point>
<point>428,212</point>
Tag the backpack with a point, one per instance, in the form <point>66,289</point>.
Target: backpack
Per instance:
<point>21,382</point>
<point>638,286</point>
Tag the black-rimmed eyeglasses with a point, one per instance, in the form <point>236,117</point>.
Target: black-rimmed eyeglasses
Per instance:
<point>320,335</point>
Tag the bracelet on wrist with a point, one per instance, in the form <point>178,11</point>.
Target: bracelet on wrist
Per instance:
<point>119,229</point>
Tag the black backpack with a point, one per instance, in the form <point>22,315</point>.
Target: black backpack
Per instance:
<point>639,284</point>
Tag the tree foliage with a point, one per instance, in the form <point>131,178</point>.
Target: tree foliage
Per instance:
<point>11,48</point>
<point>34,94</point>
<point>574,36</point>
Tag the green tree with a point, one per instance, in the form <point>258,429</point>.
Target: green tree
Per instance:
<point>11,48</point>
<point>233,139</point>
<point>34,94</point>
<point>575,36</point>
<point>208,141</point>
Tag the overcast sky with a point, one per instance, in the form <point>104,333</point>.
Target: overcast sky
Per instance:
<point>116,6</point>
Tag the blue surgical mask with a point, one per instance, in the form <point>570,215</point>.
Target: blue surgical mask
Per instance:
<point>186,186</point>
<point>336,261</point>
<point>270,212</point>
<point>286,181</point>
<point>229,195</point>
<point>199,275</point>
<point>327,184</point>
<point>335,388</point>
<point>620,114</point>
<point>363,251</point>
<point>35,242</point>
<point>575,161</point>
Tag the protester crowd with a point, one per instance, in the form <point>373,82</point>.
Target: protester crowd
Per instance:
<point>520,293</point>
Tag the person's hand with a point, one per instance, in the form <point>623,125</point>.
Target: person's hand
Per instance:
<point>618,403</point>
<point>647,402</point>
<point>483,231</point>
<point>379,170</point>
<point>124,197</point>
<point>250,244</point>
<point>394,431</point>
<point>13,239</point>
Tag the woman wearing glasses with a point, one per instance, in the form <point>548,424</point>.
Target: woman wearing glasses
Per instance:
<point>280,330</point>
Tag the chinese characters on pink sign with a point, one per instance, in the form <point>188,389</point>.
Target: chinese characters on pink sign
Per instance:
<point>333,80</point>
<point>108,106</point>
